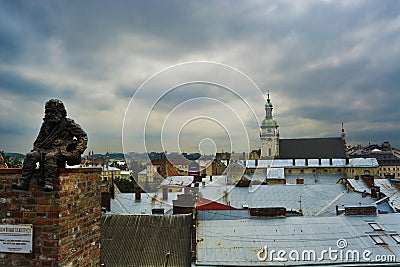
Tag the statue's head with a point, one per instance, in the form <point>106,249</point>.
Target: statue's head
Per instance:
<point>54,111</point>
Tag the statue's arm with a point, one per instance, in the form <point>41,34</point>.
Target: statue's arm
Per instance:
<point>39,139</point>
<point>81,136</point>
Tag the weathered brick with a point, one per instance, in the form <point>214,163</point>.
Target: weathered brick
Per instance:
<point>57,240</point>
<point>42,201</point>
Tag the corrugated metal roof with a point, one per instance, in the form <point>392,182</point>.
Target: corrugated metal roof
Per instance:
<point>140,240</point>
<point>237,242</point>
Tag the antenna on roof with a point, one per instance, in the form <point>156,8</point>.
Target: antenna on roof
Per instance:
<point>167,258</point>
<point>300,210</point>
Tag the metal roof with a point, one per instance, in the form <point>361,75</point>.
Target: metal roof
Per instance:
<point>279,173</point>
<point>143,171</point>
<point>391,191</point>
<point>240,242</point>
<point>141,240</point>
<point>386,187</point>
<point>363,162</point>
<point>125,203</point>
<point>180,181</point>
<point>317,178</point>
<point>316,199</point>
<point>311,162</point>
<point>270,173</point>
<point>359,185</point>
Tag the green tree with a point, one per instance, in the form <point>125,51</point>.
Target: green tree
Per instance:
<point>125,186</point>
<point>13,162</point>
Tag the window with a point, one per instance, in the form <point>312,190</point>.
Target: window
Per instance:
<point>339,170</point>
<point>396,238</point>
<point>376,226</point>
<point>378,240</point>
<point>302,171</point>
<point>290,171</point>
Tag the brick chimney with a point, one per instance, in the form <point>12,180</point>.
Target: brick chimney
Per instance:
<point>360,210</point>
<point>368,179</point>
<point>106,201</point>
<point>65,222</point>
<point>268,212</point>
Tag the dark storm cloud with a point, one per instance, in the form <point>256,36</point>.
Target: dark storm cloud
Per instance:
<point>16,84</point>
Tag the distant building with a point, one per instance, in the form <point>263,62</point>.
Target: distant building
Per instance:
<point>269,134</point>
<point>387,157</point>
<point>108,173</point>
<point>301,148</point>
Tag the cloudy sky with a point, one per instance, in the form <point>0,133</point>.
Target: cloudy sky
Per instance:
<point>138,75</point>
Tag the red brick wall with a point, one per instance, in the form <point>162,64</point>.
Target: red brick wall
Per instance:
<point>66,222</point>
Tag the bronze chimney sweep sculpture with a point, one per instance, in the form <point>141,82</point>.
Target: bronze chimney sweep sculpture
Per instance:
<point>60,140</point>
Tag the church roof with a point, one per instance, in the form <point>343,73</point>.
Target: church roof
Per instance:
<point>306,148</point>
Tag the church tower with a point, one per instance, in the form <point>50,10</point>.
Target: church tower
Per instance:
<point>269,134</point>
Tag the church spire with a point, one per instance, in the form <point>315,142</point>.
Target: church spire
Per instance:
<point>343,133</point>
<point>268,108</point>
<point>269,133</point>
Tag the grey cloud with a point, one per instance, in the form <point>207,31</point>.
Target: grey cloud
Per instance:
<point>288,48</point>
<point>14,83</point>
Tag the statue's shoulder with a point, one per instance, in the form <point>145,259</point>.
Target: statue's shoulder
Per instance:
<point>71,122</point>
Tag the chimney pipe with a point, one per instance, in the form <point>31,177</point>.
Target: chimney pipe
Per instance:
<point>319,162</point>
<point>210,178</point>
<point>294,162</point>
<point>330,161</point>
<point>165,193</point>
<point>375,191</point>
<point>137,194</point>
<point>306,162</point>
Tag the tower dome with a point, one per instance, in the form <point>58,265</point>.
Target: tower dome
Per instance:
<point>269,133</point>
